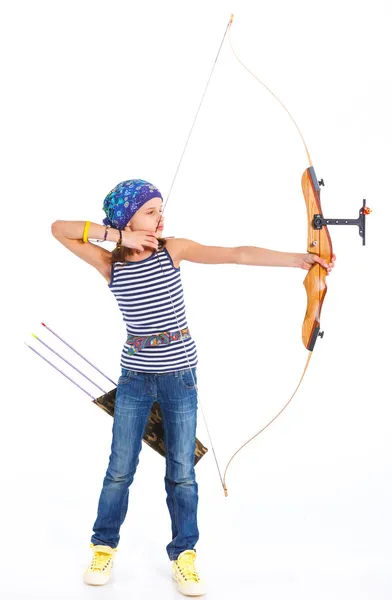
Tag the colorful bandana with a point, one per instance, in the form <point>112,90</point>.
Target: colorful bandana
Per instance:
<point>125,199</point>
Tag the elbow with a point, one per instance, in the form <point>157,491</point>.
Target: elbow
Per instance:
<point>238,255</point>
<point>55,228</point>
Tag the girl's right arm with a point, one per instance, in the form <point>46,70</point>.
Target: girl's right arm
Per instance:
<point>70,234</point>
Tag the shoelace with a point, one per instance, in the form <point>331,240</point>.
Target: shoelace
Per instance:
<point>187,567</point>
<point>100,561</point>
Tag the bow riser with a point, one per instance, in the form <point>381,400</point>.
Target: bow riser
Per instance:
<point>319,242</point>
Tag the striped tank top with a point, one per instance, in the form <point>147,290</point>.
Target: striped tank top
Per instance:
<point>140,289</point>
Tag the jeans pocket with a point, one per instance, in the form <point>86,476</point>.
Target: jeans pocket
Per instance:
<point>127,375</point>
<point>187,380</point>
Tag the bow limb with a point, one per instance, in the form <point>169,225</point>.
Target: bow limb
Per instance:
<point>270,91</point>
<point>265,426</point>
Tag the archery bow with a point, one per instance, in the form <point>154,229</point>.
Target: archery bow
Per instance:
<point>319,242</point>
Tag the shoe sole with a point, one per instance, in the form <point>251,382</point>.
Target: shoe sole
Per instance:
<point>188,593</point>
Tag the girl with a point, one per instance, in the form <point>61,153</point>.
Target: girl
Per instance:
<point>143,272</point>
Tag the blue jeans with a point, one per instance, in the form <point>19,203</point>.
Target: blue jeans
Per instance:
<point>176,394</point>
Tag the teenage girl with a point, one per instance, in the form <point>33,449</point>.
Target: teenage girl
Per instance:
<point>143,272</point>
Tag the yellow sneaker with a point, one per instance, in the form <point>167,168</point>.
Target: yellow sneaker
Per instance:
<point>185,574</point>
<point>100,569</point>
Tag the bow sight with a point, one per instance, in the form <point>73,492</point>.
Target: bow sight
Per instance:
<point>319,221</point>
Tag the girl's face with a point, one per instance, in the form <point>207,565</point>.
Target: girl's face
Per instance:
<point>147,217</point>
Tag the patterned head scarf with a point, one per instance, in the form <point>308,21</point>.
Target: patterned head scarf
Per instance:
<point>125,199</point>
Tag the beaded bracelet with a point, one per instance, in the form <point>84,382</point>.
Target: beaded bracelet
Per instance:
<point>105,236</point>
<point>120,240</point>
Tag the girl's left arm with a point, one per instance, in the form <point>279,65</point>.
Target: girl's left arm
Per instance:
<point>247,255</point>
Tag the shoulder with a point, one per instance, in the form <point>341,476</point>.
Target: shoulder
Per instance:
<point>175,246</point>
<point>182,249</point>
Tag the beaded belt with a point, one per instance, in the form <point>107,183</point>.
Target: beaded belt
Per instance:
<point>138,342</point>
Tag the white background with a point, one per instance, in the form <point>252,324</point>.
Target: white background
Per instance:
<point>98,92</point>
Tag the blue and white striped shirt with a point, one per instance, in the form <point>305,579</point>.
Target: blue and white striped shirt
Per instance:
<point>141,292</point>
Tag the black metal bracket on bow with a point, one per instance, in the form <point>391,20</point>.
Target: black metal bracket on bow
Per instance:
<point>319,221</point>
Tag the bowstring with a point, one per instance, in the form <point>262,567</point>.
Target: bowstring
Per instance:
<point>196,115</point>
<point>159,260</point>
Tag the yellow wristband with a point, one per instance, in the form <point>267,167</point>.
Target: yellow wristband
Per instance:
<point>85,232</point>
